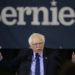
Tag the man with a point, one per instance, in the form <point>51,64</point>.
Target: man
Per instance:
<point>48,59</point>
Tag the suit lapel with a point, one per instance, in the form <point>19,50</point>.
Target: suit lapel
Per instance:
<point>29,63</point>
<point>45,60</point>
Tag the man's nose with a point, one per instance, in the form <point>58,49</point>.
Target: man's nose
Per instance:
<point>37,45</point>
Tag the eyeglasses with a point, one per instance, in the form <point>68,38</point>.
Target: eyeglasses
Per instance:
<point>38,43</point>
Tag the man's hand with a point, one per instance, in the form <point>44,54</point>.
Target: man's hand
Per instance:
<point>73,57</point>
<point>1,57</point>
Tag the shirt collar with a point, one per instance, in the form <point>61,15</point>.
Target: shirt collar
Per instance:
<point>34,55</point>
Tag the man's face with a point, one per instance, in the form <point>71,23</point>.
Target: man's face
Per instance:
<point>37,44</point>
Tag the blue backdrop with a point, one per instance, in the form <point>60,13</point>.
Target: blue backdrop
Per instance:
<point>16,36</point>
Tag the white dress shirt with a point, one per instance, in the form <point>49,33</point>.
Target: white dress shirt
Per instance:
<point>34,62</point>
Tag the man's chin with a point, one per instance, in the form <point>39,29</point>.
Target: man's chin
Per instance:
<point>39,50</point>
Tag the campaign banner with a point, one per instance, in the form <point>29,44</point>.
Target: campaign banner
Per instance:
<point>53,18</point>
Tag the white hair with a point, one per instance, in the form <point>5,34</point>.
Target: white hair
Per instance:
<point>36,34</point>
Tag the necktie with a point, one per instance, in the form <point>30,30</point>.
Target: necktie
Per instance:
<point>37,66</point>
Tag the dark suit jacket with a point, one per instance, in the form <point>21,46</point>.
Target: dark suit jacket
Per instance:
<point>51,62</point>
